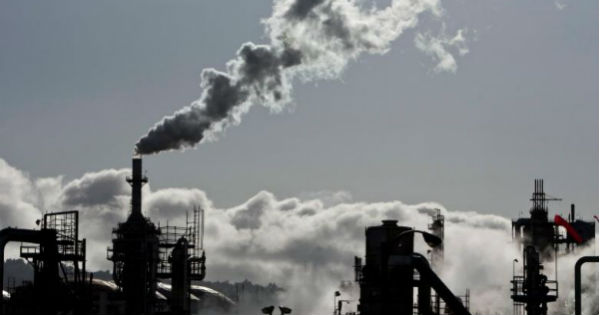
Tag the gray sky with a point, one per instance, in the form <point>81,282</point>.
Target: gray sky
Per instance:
<point>80,82</point>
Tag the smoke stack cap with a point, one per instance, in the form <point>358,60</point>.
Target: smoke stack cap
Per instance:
<point>390,222</point>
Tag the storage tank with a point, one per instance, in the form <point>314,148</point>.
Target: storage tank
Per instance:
<point>388,256</point>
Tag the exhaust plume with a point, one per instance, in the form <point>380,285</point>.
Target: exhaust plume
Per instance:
<point>309,39</point>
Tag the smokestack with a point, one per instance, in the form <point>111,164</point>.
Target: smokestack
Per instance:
<point>137,180</point>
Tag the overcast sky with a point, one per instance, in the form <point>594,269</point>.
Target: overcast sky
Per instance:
<point>81,81</point>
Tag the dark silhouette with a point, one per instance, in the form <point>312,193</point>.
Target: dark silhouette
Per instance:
<point>388,277</point>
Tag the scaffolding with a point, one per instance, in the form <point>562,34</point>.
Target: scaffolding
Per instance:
<point>193,232</point>
<point>439,307</point>
<point>437,228</point>
<point>532,291</point>
<point>519,293</point>
<point>70,249</point>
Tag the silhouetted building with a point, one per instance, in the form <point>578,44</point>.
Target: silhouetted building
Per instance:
<point>392,271</point>
<point>143,253</point>
<point>54,247</point>
<point>533,291</point>
<point>543,234</point>
<point>437,228</point>
<point>135,251</point>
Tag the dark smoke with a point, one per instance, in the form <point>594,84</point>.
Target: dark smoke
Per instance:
<point>300,9</point>
<point>255,72</point>
<point>310,39</point>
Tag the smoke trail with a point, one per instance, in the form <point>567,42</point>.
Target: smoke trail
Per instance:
<point>309,39</point>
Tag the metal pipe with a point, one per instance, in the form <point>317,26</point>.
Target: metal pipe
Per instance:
<point>438,285</point>
<point>431,239</point>
<point>335,295</point>
<point>2,244</point>
<point>42,237</point>
<point>424,298</point>
<point>578,264</point>
<point>137,180</point>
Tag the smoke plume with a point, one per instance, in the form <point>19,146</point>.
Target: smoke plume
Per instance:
<point>304,244</point>
<point>309,39</point>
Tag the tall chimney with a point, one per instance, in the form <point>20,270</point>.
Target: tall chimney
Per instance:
<point>137,180</point>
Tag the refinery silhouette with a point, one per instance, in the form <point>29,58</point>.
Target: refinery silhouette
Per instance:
<point>158,269</point>
<point>400,267</point>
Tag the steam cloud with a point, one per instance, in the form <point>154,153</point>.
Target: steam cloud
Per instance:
<point>309,39</point>
<point>437,47</point>
<point>305,245</point>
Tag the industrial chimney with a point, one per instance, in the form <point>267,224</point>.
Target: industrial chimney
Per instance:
<point>135,251</point>
<point>137,180</point>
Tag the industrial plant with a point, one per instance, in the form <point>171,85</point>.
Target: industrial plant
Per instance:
<point>156,268</point>
<point>153,266</point>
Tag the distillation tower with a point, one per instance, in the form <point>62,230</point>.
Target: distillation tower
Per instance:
<point>135,251</point>
<point>143,253</point>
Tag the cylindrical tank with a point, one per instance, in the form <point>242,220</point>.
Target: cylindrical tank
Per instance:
<point>379,236</point>
<point>386,287</point>
<point>180,278</point>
